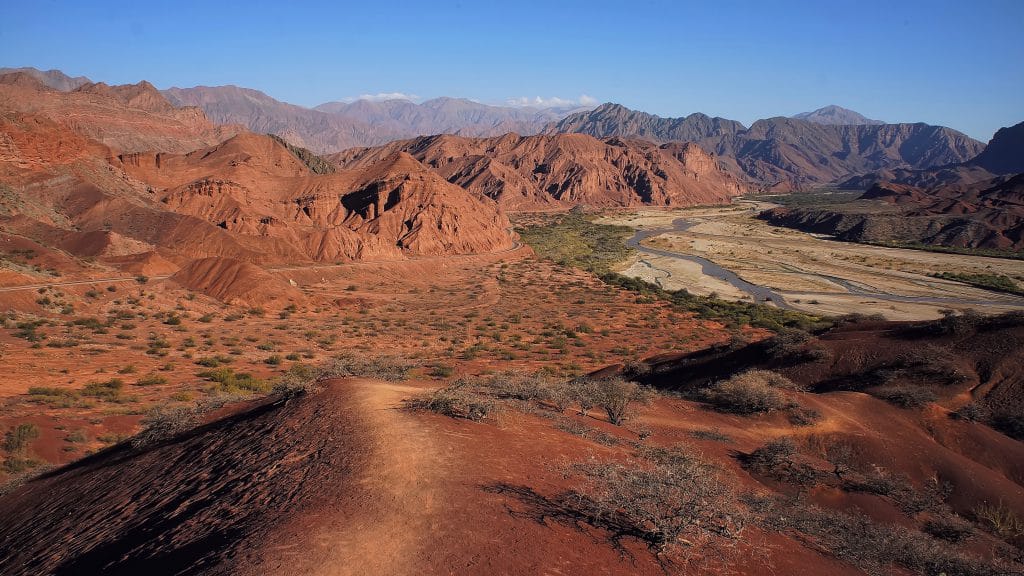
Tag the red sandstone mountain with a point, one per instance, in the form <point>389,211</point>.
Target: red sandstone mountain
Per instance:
<point>560,171</point>
<point>248,198</point>
<point>130,118</point>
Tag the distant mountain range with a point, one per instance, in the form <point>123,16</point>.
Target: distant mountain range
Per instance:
<point>812,149</point>
<point>974,204</point>
<point>786,153</point>
<point>335,126</point>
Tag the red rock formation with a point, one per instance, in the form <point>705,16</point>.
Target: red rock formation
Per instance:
<point>565,170</point>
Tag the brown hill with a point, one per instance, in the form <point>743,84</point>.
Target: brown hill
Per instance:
<point>831,480</point>
<point>235,282</point>
<point>1004,155</point>
<point>787,153</point>
<point>130,118</point>
<point>986,214</point>
<point>560,171</point>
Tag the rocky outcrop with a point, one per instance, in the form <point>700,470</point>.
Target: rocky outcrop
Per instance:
<point>565,170</point>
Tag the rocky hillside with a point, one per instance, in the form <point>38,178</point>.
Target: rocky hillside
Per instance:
<point>78,183</point>
<point>405,119</point>
<point>988,214</point>
<point>564,170</point>
<point>130,118</point>
<point>786,153</point>
<point>1004,153</point>
<point>53,78</point>
<point>608,120</point>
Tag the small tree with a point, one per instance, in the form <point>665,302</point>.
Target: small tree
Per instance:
<point>616,396</point>
<point>17,438</point>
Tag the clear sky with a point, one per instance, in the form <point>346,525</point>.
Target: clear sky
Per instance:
<point>955,63</point>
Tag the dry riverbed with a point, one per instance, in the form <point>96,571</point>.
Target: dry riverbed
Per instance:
<point>812,273</point>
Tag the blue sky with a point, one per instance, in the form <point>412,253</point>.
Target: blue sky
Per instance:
<point>959,64</point>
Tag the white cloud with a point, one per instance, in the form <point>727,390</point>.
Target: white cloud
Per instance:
<point>552,102</point>
<point>382,96</point>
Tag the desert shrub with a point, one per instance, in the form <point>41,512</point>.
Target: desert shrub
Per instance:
<point>635,369</point>
<point>617,396</point>
<point>584,431</point>
<point>214,361</point>
<point>273,360</point>
<point>164,422</point>
<point>1010,424</point>
<point>800,416</point>
<point>109,390</point>
<point>442,371</point>
<point>234,383</point>
<point>1000,520</point>
<point>905,395</point>
<point>948,527</point>
<point>776,460</point>
<point>788,345</point>
<point>584,393</point>
<point>518,386</point>
<point>151,380</point>
<point>676,500</point>
<point>16,439</point>
<point>873,547</point>
<point>390,368</point>
<point>297,380</point>
<point>455,401</point>
<point>972,412</point>
<point>750,392</point>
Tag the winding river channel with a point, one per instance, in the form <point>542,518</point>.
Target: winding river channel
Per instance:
<point>765,294</point>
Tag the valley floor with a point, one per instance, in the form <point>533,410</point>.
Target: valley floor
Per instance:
<point>809,273</point>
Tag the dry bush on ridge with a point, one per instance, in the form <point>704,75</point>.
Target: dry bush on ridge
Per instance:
<point>870,546</point>
<point>458,400</point>
<point>673,500</point>
<point>389,368</point>
<point>750,392</point>
<point>1000,520</point>
<point>617,396</point>
<point>905,395</point>
<point>163,422</point>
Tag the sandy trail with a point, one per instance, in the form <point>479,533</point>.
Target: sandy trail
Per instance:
<point>381,521</point>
